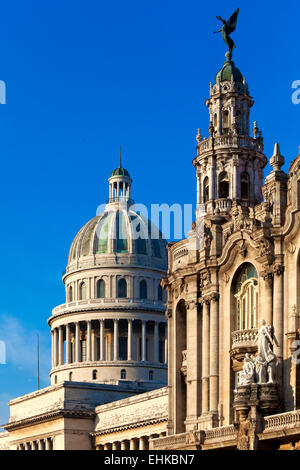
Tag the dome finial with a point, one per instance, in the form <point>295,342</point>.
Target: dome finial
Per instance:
<point>120,158</point>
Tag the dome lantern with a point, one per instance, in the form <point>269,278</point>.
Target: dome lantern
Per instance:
<point>120,185</point>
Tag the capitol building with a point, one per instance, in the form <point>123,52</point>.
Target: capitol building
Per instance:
<point>190,345</point>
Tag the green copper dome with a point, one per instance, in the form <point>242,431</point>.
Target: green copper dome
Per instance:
<point>120,172</point>
<point>229,70</point>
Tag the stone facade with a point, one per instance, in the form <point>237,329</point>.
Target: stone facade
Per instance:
<point>240,264</point>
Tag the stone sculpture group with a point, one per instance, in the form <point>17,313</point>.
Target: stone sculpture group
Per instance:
<point>262,368</point>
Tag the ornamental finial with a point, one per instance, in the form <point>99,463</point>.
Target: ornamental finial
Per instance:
<point>227,29</point>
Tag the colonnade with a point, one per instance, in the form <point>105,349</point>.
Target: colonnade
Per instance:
<point>138,443</point>
<point>208,324</point>
<point>86,341</point>
<point>39,444</point>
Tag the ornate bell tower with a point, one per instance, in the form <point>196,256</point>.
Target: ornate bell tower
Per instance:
<point>229,163</point>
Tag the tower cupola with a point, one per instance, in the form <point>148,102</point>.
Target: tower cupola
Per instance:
<point>230,162</point>
<point>120,185</point>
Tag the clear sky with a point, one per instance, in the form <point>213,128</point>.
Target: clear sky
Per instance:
<point>83,77</point>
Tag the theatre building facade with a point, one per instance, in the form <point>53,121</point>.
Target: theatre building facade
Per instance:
<point>234,290</point>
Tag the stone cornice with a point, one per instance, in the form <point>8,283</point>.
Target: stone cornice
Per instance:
<point>100,308</point>
<point>137,424</point>
<point>139,398</point>
<point>49,416</point>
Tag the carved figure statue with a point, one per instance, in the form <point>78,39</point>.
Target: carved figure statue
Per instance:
<point>260,370</point>
<point>266,358</point>
<point>248,374</point>
<point>227,29</point>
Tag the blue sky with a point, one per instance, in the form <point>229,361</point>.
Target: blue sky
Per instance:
<point>84,77</point>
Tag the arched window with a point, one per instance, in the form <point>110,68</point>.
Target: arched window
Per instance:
<point>245,185</point>
<point>123,374</point>
<point>206,190</point>
<point>55,379</point>
<point>226,123</point>
<point>82,291</point>
<point>70,376</point>
<point>215,121</point>
<point>95,373</point>
<point>151,374</point>
<point>143,290</point>
<point>122,288</point>
<point>245,290</point>
<point>100,289</point>
<point>223,185</point>
<point>159,293</point>
<point>70,294</point>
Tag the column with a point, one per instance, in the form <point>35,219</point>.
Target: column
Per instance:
<point>102,341</point>
<point>55,347</point>
<point>129,340</point>
<point>156,342</point>
<point>133,444</point>
<point>205,357</point>
<point>116,339</point>
<point>34,445</point>
<point>211,183</point>
<point>266,298</point>
<point>198,189</point>
<point>193,387</point>
<point>235,185</point>
<point>60,346</point>
<point>214,354</point>
<point>52,348</point>
<point>143,443</point>
<point>41,444</point>
<point>88,340</point>
<point>93,345</point>
<point>77,342</point>
<point>144,343</point>
<point>166,344</point>
<point>68,344</point>
<point>48,444</point>
<point>123,445</point>
<point>278,318</point>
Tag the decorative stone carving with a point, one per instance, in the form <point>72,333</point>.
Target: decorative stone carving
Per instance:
<point>278,269</point>
<point>291,248</point>
<point>266,359</point>
<point>205,278</point>
<point>207,239</point>
<point>183,368</point>
<point>190,304</point>
<point>248,374</point>
<point>243,249</point>
<point>169,313</point>
<point>178,287</point>
<point>195,437</point>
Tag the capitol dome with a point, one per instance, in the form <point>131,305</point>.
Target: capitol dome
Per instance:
<point>121,231</point>
<point>112,327</point>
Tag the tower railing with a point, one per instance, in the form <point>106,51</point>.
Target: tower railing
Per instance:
<point>121,199</point>
<point>227,141</point>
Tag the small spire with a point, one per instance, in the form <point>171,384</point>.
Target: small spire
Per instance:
<point>120,161</point>
<point>277,160</point>
<point>199,137</point>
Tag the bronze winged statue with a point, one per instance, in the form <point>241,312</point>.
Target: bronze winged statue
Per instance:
<point>228,28</point>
